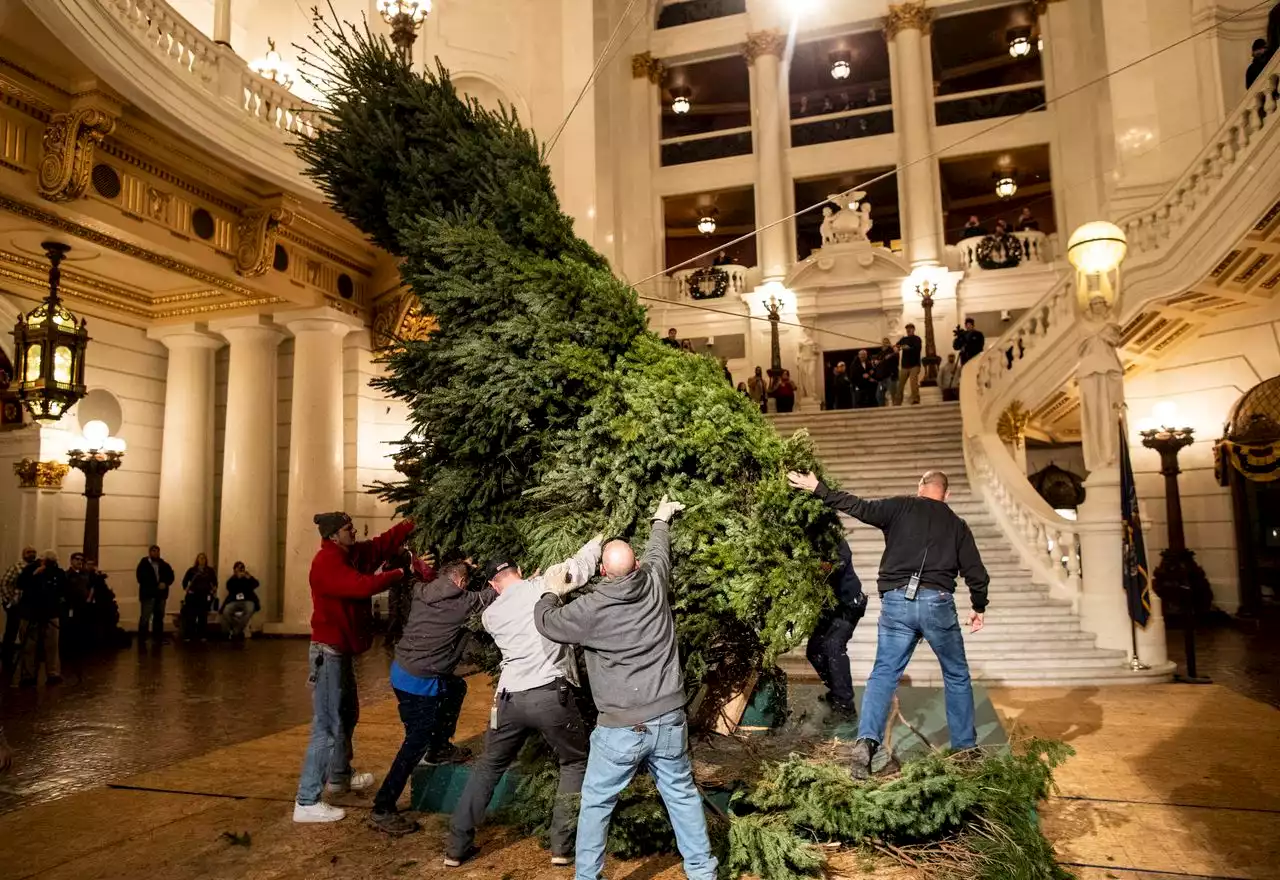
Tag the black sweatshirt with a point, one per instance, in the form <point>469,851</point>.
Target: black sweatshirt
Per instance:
<point>911,525</point>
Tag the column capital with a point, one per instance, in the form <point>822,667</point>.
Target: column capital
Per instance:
<point>766,42</point>
<point>69,143</point>
<point>322,318</point>
<point>34,474</point>
<point>175,336</point>
<point>645,66</point>
<point>907,17</point>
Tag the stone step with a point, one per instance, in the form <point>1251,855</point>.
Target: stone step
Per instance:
<point>998,614</point>
<point>1100,668</point>
<point>869,414</point>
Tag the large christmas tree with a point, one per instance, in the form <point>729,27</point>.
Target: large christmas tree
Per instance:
<point>542,410</point>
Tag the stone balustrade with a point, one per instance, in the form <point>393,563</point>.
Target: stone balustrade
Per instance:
<point>737,281</point>
<point>1037,249</point>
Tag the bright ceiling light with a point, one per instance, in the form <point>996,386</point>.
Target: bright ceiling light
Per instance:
<point>273,66</point>
<point>1006,187</point>
<point>96,433</point>
<point>840,67</point>
<point>1019,41</point>
<point>707,225</point>
<point>680,105</point>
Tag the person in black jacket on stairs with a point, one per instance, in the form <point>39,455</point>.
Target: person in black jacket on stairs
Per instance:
<point>828,645</point>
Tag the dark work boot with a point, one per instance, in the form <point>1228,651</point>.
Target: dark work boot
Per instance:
<point>860,758</point>
<point>394,824</point>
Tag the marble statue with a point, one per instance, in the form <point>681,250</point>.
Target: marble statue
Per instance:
<point>807,362</point>
<point>1100,375</point>
<point>828,232</point>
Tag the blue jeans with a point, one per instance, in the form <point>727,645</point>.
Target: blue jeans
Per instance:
<point>885,391</point>
<point>616,754</point>
<point>932,616</point>
<point>336,710</point>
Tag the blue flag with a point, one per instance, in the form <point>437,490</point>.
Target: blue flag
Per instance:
<point>1137,582</point>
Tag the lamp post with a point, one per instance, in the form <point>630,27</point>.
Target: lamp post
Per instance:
<point>101,453</point>
<point>1178,572</point>
<point>773,308</point>
<point>49,349</point>
<point>1097,249</point>
<point>925,290</point>
<point>405,17</point>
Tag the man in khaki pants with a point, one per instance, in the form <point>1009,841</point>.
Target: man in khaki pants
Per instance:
<point>908,366</point>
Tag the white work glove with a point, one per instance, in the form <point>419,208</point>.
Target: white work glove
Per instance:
<point>558,579</point>
<point>667,509</point>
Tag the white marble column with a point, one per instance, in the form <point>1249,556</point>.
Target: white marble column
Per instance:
<point>315,447</point>
<point>184,523</point>
<point>639,249</point>
<point>764,50</point>
<point>906,27</point>
<point>247,530</point>
<point>222,21</point>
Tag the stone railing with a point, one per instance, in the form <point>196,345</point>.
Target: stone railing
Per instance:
<point>163,64</point>
<point>737,281</point>
<point>1037,249</point>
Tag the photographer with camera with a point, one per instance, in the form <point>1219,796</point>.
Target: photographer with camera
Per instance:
<point>926,546</point>
<point>969,341</point>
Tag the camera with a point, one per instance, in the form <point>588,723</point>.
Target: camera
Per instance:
<point>959,331</point>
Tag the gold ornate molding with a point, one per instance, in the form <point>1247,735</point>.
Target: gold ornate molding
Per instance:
<point>34,474</point>
<point>69,141</point>
<point>401,319</point>
<point>1012,427</point>
<point>769,42</point>
<point>645,66</point>
<point>907,17</point>
<point>256,237</point>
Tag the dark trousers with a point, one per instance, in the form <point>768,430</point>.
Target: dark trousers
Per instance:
<point>151,613</point>
<point>429,724</point>
<point>520,714</point>
<point>828,652</point>
<point>11,624</point>
<point>785,404</point>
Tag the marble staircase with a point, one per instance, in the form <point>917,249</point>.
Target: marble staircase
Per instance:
<point>1029,639</point>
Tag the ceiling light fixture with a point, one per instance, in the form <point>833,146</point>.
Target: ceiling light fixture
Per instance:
<point>1019,41</point>
<point>707,225</point>
<point>680,99</point>
<point>1006,184</point>
<point>272,66</point>
<point>840,67</point>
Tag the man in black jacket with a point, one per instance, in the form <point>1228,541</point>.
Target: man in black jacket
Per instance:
<point>828,645</point>
<point>969,341</point>
<point>926,546</point>
<point>908,367</point>
<point>155,576</point>
<point>44,592</point>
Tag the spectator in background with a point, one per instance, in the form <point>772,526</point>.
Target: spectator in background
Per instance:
<point>1027,222</point>
<point>949,379</point>
<point>722,259</point>
<point>841,388</point>
<point>1261,55</point>
<point>864,380</point>
<point>686,345</point>
<point>155,576</point>
<point>671,339</point>
<point>969,341</point>
<point>200,591</point>
<point>44,589</point>
<point>908,367</point>
<point>104,610</point>
<point>241,603</point>
<point>758,390</point>
<point>972,228</point>
<point>75,635</point>
<point>886,374</point>
<point>9,599</point>
<point>742,389</point>
<point>783,392</point>
<point>724,365</point>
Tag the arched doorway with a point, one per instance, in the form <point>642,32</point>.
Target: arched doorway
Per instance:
<point>1248,460</point>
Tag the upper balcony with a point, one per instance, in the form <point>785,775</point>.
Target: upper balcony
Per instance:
<point>674,13</point>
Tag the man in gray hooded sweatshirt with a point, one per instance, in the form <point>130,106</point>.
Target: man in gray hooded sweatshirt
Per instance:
<point>628,633</point>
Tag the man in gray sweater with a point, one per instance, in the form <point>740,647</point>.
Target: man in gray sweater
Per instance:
<point>628,633</point>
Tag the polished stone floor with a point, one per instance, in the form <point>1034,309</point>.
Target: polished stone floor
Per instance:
<point>126,712</point>
<point>1244,657</point>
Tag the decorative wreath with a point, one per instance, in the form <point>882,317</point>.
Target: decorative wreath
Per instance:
<point>709,283</point>
<point>990,244</point>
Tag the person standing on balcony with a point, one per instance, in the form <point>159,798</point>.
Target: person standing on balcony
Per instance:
<point>926,546</point>
<point>908,367</point>
<point>672,339</point>
<point>722,259</point>
<point>1027,222</point>
<point>1261,55</point>
<point>969,341</point>
<point>972,228</point>
<point>758,390</point>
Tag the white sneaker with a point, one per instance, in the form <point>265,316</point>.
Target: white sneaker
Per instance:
<point>317,812</point>
<point>358,782</point>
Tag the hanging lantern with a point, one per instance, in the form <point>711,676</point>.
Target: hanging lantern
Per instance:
<point>272,66</point>
<point>1006,186</point>
<point>50,344</point>
<point>707,225</point>
<point>840,68</point>
<point>680,99</point>
<point>1019,41</point>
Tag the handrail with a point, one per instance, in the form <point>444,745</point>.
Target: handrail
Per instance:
<point>993,90</point>
<point>1043,344</point>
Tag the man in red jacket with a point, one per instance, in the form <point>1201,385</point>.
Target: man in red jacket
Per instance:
<point>343,583</point>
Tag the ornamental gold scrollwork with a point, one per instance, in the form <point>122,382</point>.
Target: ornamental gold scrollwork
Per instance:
<point>645,66</point>
<point>1012,427</point>
<point>69,142</point>
<point>34,474</point>
<point>401,320</point>
<point>907,17</point>
<point>769,42</point>
<point>256,238</point>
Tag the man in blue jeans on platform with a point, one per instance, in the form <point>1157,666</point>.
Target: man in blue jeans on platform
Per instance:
<point>925,546</point>
<point>628,633</point>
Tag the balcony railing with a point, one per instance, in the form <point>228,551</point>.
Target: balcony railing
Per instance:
<point>988,103</point>
<point>680,12</point>
<point>705,147</point>
<point>1034,249</point>
<point>843,126</point>
<point>735,282</point>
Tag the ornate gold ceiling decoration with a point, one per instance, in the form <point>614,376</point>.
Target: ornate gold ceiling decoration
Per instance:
<point>907,17</point>
<point>399,320</point>
<point>34,474</point>
<point>69,142</point>
<point>1012,426</point>
<point>767,42</point>
<point>645,66</point>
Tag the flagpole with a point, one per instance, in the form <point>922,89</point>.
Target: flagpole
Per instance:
<point>1135,663</point>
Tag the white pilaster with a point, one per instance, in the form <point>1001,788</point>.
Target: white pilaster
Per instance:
<point>764,54</point>
<point>184,522</point>
<point>639,248</point>
<point>222,21</point>
<point>315,447</point>
<point>918,193</point>
<point>247,526</point>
